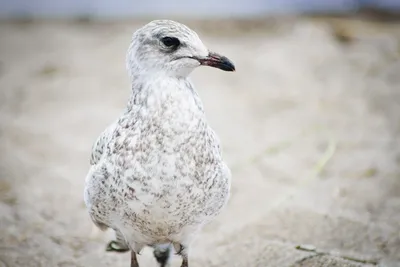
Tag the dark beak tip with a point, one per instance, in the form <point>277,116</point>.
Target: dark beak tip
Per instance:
<point>227,65</point>
<point>231,68</point>
<point>218,61</point>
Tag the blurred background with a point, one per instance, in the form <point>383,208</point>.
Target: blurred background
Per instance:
<point>309,122</point>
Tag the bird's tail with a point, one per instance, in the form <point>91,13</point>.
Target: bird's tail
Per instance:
<point>162,253</point>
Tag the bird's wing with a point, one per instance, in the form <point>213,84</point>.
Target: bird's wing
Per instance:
<point>100,144</point>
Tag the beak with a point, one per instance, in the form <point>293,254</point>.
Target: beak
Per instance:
<point>217,61</point>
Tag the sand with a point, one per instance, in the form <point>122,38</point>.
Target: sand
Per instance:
<point>309,122</point>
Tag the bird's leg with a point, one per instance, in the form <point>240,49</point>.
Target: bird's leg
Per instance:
<point>134,262</point>
<point>185,261</point>
<point>183,251</point>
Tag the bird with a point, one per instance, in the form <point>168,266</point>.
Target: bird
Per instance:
<point>157,175</point>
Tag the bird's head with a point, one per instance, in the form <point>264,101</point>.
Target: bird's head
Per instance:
<point>172,48</point>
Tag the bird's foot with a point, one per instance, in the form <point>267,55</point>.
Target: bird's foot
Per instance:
<point>114,246</point>
<point>182,250</point>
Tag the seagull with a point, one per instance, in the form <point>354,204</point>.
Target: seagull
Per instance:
<point>157,174</point>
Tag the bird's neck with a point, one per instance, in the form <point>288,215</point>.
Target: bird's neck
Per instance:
<point>155,91</point>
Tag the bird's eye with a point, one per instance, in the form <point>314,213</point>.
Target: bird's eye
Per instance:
<point>170,41</point>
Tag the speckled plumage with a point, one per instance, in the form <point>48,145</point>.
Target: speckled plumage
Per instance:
<point>157,173</point>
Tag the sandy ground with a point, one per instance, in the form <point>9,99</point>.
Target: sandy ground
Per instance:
<point>310,125</point>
